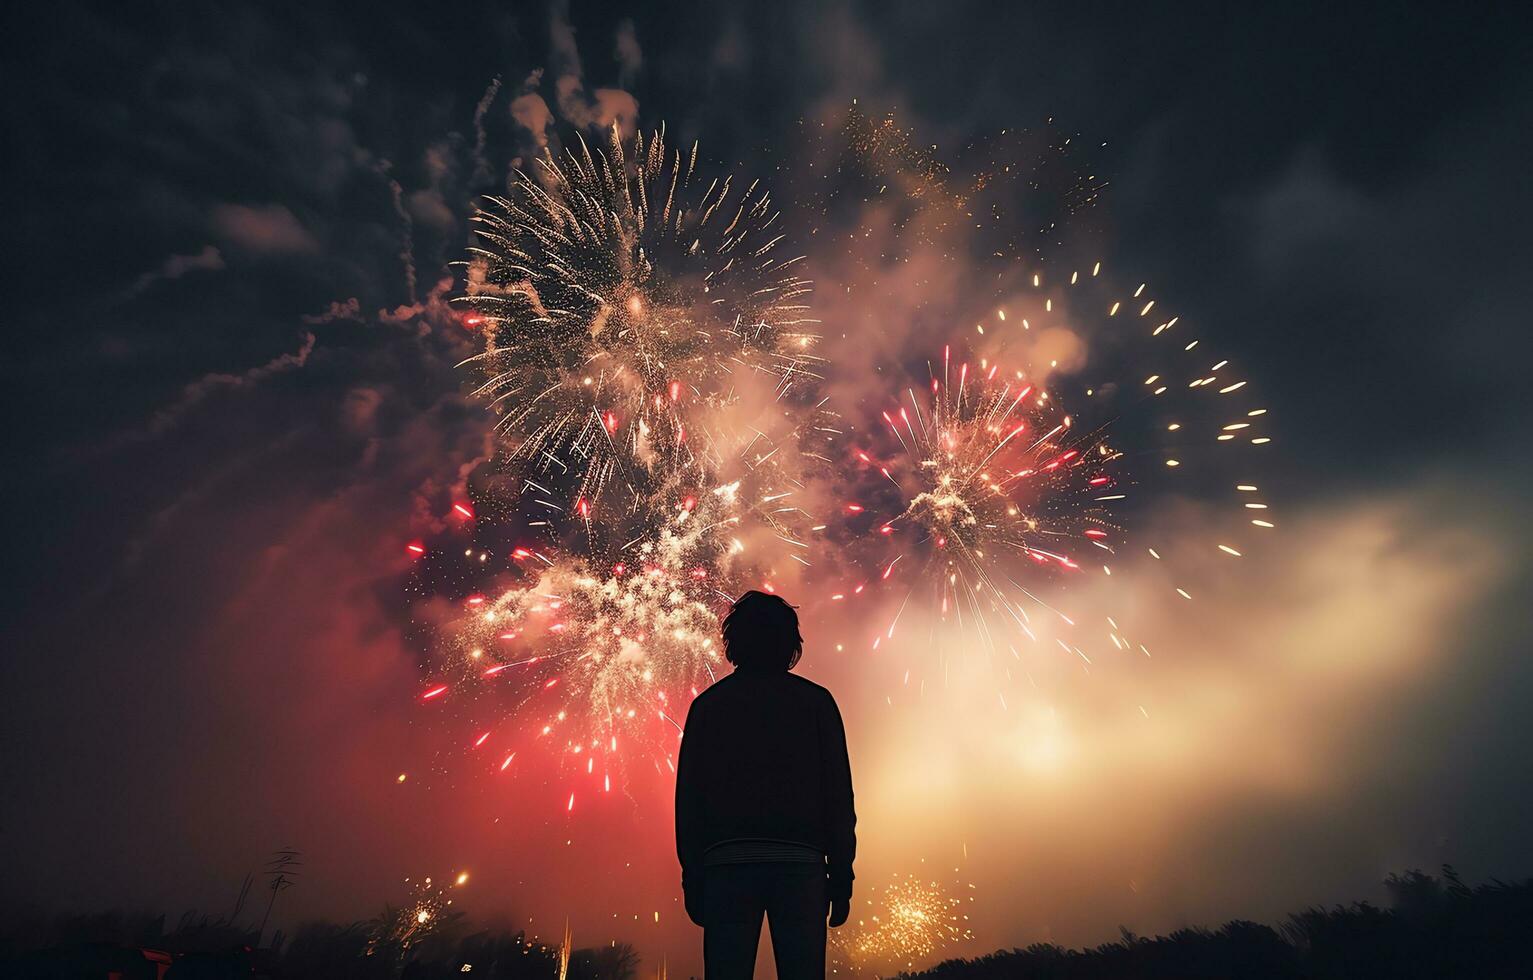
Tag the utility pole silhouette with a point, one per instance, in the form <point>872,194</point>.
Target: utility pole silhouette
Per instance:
<point>280,874</point>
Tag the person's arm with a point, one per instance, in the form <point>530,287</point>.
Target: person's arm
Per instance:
<point>688,797</point>
<point>841,817</point>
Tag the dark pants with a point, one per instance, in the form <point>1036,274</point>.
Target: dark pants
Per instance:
<point>793,899</point>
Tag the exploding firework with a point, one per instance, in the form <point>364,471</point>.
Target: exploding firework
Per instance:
<point>994,473</point>
<point>596,661</point>
<point>908,921</point>
<point>428,910</point>
<point>592,654</point>
<point>622,300</point>
<point>1005,498</point>
<point>1049,443</point>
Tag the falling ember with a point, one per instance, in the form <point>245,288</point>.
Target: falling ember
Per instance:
<point>434,692</point>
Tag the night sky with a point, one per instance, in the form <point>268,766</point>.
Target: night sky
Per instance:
<point>231,397</point>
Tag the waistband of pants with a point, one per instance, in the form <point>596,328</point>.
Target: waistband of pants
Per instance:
<point>758,851</point>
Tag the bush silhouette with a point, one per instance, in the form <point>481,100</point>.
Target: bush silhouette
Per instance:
<point>1435,926</point>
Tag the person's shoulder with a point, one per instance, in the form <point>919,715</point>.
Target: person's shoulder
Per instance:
<point>712,691</point>
<point>810,688</point>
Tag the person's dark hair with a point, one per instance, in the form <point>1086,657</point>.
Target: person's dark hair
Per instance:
<point>761,632</point>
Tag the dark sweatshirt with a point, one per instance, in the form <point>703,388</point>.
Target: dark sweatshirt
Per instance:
<point>764,758</point>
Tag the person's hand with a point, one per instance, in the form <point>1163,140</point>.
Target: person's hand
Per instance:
<point>692,895</point>
<point>840,911</point>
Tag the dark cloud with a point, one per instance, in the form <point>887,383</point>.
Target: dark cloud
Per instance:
<point>209,259</point>
<point>630,57</point>
<point>269,228</point>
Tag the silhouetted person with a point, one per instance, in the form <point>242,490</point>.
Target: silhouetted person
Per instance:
<point>764,818</point>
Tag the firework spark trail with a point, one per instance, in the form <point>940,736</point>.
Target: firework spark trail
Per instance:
<point>618,304</point>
